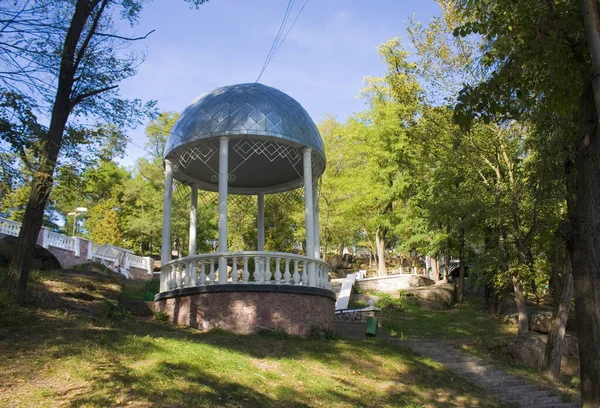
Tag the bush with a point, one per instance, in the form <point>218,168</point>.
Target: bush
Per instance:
<point>140,290</point>
<point>387,301</point>
<point>160,317</point>
<point>319,333</point>
<point>279,334</point>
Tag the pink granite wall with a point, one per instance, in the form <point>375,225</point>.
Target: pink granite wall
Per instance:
<point>247,312</point>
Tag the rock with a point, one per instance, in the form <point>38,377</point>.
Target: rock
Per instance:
<point>42,258</point>
<point>335,261</point>
<point>530,349</point>
<point>434,297</point>
<point>363,298</point>
<point>416,281</point>
<point>540,321</point>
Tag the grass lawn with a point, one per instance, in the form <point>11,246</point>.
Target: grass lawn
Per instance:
<point>72,356</point>
<point>467,320</point>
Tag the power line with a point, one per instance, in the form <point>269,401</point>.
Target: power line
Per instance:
<point>289,29</point>
<point>278,41</point>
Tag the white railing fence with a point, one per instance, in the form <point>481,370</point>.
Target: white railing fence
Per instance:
<point>248,267</point>
<point>117,258</point>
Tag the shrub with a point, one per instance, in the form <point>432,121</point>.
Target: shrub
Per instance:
<point>319,333</point>
<point>279,334</point>
<point>160,317</point>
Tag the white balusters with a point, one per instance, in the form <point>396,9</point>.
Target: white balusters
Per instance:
<point>277,271</point>
<point>305,272</point>
<point>246,272</point>
<point>222,265</point>
<point>267,273</point>
<point>296,273</point>
<point>179,275</point>
<point>258,278</point>
<point>202,273</point>
<point>193,275</point>
<point>234,271</point>
<point>287,277</point>
<point>211,275</point>
<point>201,270</point>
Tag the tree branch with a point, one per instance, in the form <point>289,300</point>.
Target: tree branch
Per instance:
<point>80,98</point>
<point>125,38</point>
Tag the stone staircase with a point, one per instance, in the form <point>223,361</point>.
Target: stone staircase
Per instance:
<point>506,387</point>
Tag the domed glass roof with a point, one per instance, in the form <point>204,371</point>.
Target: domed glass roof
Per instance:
<point>267,130</point>
<point>245,109</point>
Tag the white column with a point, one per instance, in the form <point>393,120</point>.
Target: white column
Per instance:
<point>223,176</point>
<point>193,218</point>
<point>260,198</point>
<point>44,238</point>
<point>165,253</point>
<point>309,214</point>
<point>77,246</point>
<point>316,220</point>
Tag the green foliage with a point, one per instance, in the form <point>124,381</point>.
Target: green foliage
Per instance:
<point>140,290</point>
<point>278,334</point>
<point>387,301</point>
<point>160,317</point>
<point>319,333</point>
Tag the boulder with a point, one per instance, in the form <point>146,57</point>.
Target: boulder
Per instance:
<point>540,320</point>
<point>417,281</point>
<point>434,297</point>
<point>42,258</point>
<point>530,349</point>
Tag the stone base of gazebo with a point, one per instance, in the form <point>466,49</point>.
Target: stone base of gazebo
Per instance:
<point>244,309</point>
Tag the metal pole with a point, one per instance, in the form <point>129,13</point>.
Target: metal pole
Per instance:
<point>261,221</point>
<point>165,253</point>
<point>316,221</point>
<point>193,218</point>
<point>309,214</point>
<point>223,175</point>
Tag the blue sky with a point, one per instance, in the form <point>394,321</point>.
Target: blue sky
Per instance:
<point>321,63</point>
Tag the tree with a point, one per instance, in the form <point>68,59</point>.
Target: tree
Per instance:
<point>79,81</point>
<point>540,59</point>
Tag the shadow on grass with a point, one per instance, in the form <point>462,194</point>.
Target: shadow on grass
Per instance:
<point>143,363</point>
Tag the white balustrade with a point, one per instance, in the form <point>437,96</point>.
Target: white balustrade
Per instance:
<point>61,241</point>
<point>137,261</point>
<point>266,269</point>
<point>8,227</point>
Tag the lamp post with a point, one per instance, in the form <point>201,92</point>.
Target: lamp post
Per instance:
<point>75,214</point>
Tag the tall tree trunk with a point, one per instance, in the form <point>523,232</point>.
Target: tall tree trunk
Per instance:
<point>521,306</point>
<point>435,269</point>
<point>555,285</point>
<point>380,243</point>
<point>491,299</point>
<point>41,184</point>
<point>554,344</point>
<point>461,266</point>
<point>586,254</point>
<point>444,268</point>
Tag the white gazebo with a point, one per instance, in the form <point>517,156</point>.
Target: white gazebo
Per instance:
<point>255,140</point>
